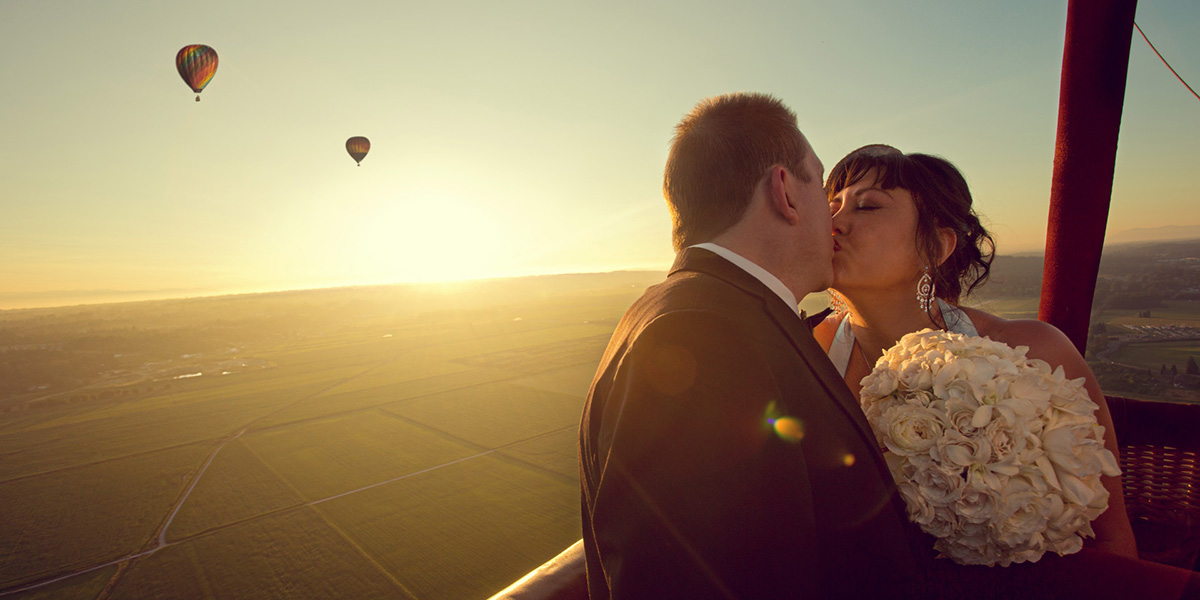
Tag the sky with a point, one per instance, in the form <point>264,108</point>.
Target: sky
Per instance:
<point>508,138</point>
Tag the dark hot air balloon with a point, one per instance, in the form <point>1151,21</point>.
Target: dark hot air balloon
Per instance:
<point>197,64</point>
<point>358,147</point>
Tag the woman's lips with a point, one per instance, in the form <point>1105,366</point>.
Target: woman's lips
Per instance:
<point>836,246</point>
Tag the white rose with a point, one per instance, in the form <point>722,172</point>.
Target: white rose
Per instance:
<point>940,487</point>
<point>960,411</point>
<point>1022,516</point>
<point>920,398</point>
<point>880,383</point>
<point>978,505</point>
<point>1006,441</point>
<point>874,410</point>
<point>910,429</point>
<point>957,450</point>
<point>944,524</point>
<point>915,376</point>
<point>920,510</point>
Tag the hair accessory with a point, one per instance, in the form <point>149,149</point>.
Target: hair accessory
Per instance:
<point>837,302</point>
<point>926,288</point>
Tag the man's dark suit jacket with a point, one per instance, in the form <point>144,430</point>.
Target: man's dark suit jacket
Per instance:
<point>690,491</point>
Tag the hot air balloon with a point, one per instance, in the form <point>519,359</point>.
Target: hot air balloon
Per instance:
<point>358,147</point>
<point>197,64</point>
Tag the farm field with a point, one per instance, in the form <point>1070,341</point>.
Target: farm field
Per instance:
<point>82,587</point>
<point>382,442</point>
<point>1173,312</point>
<point>426,451</point>
<point>462,530</point>
<point>1154,355</point>
<point>291,555</point>
<point>82,516</point>
<point>1007,307</point>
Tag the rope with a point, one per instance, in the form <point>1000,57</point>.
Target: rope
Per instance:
<point>1160,57</point>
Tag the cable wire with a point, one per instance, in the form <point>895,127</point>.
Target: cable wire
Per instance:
<point>1164,61</point>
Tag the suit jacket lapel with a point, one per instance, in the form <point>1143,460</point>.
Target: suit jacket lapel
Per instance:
<point>802,339</point>
<point>796,329</point>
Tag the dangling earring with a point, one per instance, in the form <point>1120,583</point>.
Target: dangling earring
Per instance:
<point>926,288</point>
<point>837,302</point>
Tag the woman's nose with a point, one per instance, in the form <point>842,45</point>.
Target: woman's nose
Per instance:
<point>839,222</point>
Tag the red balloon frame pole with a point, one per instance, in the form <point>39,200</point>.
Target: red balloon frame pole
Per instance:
<point>1091,96</point>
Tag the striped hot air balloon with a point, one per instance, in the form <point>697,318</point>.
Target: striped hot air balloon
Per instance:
<point>197,64</point>
<point>358,147</point>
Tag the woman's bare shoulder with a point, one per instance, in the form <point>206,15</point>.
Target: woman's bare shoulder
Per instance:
<point>1044,340</point>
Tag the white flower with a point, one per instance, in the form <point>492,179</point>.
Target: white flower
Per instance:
<point>939,486</point>
<point>1006,440</point>
<point>978,504</point>
<point>955,449</point>
<point>920,509</point>
<point>883,382</point>
<point>910,429</point>
<point>997,455</point>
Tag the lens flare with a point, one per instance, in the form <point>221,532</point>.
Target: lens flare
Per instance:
<point>788,428</point>
<point>848,459</point>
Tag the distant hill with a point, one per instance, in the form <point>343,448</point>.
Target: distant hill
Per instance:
<point>1021,274</point>
<point>1153,234</point>
<point>1168,266</point>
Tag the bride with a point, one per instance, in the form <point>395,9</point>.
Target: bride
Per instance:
<point>907,247</point>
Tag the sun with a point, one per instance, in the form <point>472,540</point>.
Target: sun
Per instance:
<point>436,238</point>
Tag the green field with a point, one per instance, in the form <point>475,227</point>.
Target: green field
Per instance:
<point>237,486</point>
<point>1173,312</point>
<point>465,529</point>
<point>81,587</point>
<point>291,555</point>
<point>1153,356</point>
<point>91,514</point>
<point>425,451</point>
<point>389,442</point>
<point>1009,308</point>
<point>326,457</point>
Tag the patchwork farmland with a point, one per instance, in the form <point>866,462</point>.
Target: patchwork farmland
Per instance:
<point>382,443</point>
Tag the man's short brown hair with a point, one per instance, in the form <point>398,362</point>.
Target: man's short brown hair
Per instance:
<point>720,153</point>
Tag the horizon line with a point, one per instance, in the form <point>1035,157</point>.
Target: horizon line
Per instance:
<point>165,294</point>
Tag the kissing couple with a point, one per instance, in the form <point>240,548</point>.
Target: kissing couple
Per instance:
<point>723,449</point>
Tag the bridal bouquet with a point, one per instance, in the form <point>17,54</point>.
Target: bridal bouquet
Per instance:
<point>996,455</point>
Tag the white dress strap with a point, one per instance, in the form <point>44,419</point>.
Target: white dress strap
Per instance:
<point>842,345</point>
<point>956,321</point>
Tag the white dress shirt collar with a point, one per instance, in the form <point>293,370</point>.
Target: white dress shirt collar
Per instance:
<point>759,273</point>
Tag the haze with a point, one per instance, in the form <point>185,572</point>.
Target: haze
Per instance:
<point>507,138</point>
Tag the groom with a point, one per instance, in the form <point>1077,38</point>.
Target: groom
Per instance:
<point>721,455</point>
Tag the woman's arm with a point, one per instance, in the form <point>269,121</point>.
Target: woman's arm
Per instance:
<point>1046,342</point>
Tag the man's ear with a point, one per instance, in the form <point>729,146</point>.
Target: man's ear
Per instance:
<point>947,243</point>
<point>778,181</point>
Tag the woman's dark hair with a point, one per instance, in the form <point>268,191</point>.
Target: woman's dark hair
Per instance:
<point>943,200</point>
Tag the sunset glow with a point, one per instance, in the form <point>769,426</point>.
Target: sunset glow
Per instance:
<point>505,139</point>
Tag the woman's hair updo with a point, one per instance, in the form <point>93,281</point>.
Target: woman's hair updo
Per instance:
<point>943,200</point>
